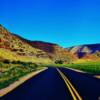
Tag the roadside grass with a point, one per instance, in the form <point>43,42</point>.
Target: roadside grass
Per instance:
<point>12,71</point>
<point>89,67</point>
<point>92,68</point>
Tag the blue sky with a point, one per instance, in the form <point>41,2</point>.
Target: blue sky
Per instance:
<point>65,22</point>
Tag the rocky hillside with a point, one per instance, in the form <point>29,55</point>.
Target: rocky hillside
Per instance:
<point>15,46</point>
<point>86,51</point>
<point>54,51</point>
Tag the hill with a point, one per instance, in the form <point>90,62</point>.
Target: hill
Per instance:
<point>13,48</point>
<point>90,51</point>
<point>54,51</point>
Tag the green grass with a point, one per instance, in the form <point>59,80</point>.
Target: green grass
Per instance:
<point>93,68</point>
<point>89,67</point>
<point>12,71</point>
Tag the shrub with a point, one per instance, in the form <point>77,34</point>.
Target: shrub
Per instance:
<point>59,62</point>
<point>6,61</point>
<point>35,65</point>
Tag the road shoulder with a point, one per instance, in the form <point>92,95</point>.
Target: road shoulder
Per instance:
<point>79,71</point>
<point>76,70</point>
<point>97,76</point>
<point>19,82</point>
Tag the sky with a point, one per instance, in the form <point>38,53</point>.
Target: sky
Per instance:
<point>65,22</point>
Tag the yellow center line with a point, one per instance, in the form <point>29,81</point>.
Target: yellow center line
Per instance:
<point>74,89</point>
<point>70,86</point>
<point>73,95</point>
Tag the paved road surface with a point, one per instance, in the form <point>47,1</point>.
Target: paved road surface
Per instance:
<point>57,84</point>
<point>86,85</point>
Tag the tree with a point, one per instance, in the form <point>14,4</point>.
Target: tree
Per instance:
<point>59,62</point>
<point>6,61</point>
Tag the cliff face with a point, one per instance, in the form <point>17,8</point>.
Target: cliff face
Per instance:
<point>44,50</point>
<point>91,51</point>
<point>12,43</point>
<point>33,49</point>
<point>54,51</point>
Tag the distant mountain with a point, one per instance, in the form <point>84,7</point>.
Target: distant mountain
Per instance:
<point>14,47</point>
<point>54,51</point>
<point>86,51</point>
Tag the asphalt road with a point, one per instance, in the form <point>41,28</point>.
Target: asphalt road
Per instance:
<point>57,84</point>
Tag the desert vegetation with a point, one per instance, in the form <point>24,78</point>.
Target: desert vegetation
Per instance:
<point>11,71</point>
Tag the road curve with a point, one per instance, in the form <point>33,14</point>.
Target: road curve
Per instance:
<point>57,84</point>
<point>47,85</point>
